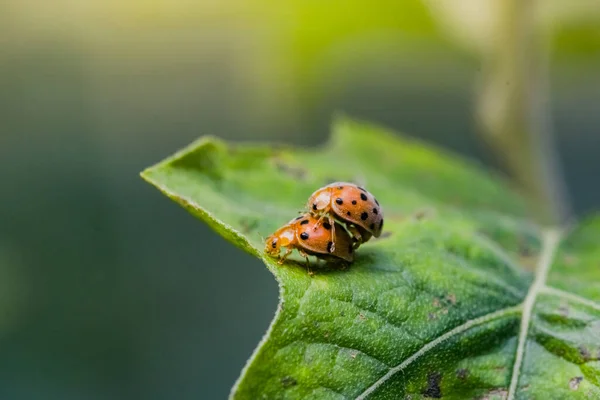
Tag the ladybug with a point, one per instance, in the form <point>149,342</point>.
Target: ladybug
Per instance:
<point>303,234</point>
<point>352,204</point>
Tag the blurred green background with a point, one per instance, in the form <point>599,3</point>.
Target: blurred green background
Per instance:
<point>110,291</point>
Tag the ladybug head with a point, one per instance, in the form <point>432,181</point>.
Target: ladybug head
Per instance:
<point>272,245</point>
<point>282,238</point>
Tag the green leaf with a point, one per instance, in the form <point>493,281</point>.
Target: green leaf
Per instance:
<point>460,298</point>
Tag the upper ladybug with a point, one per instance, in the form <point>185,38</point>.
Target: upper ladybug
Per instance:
<point>352,204</point>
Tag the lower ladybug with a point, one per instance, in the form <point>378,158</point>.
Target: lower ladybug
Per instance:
<point>352,204</point>
<point>303,234</point>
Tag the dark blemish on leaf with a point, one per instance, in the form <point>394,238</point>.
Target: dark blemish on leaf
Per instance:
<point>304,222</point>
<point>295,172</point>
<point>353,202</point>
<point>422,214</point>
<point>339,201</point>
<point>342,314</point>
<point>329,246</point>
<point>385,235</point>
<point>574,382</point>
<point>304,236</point>
<point>585,353</point>
<point>363,197</point>
<point>451,298</point>
<point>431,316</point>
<point>315,206</point>
<point>248,225</point>
<point>433,389</point>
<point>327,225</point>
<point>563,311</point>
<point>364,216</point>
<point>372,226</point>
<point>288,381</point>
<point>462,373</point>
<point>361,316</point>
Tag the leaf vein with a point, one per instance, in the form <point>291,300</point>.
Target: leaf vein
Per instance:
<point>551,238</point>
<point>429,346</point>
<point>570,296</point>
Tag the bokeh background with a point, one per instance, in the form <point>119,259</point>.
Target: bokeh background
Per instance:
<point>110,291</point>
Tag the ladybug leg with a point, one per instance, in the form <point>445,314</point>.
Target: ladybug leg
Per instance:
<point>285,255</point>
<point>356,236</point>
<point>332,223</point>
<point>303,254</point>
<point>323,214</point>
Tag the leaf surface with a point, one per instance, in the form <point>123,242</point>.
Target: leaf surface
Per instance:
<point>460,298</point>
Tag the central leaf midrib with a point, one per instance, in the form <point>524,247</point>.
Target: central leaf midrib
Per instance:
<point>550,241</point>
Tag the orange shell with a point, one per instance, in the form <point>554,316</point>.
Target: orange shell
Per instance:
<point>318,242</point>
<point>352,204</point>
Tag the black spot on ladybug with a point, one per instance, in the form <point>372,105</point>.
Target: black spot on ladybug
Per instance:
<point>363,189</point>
<point>375,211</point>
<point>304,236</point>
<point>315,206</point>
<point>354,202</point>
<point>274,243</point>
<point>339,201</point>
<point>300,217</point>
<point>327,225</point>
<point>381,224</point>
<point>364,216</point>
<point>348,213</point>
<point>340,187</point>
<point>304,222</point>
<point>329,245</point>
<point>363,197</point>
<point>376,202</point>
<point>372,226</point>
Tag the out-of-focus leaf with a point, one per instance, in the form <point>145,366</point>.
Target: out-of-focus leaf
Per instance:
<point>461,297</point>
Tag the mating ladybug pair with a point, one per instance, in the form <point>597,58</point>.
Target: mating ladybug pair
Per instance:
<point>320,232</point>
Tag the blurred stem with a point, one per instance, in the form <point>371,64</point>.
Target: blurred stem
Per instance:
<point>514,108</point>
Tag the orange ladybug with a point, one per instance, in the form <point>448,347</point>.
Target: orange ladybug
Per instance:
<point>352,204</point>
<point>302,234</point>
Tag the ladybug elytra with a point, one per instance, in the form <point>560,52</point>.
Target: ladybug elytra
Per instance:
<point>350,203</point>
